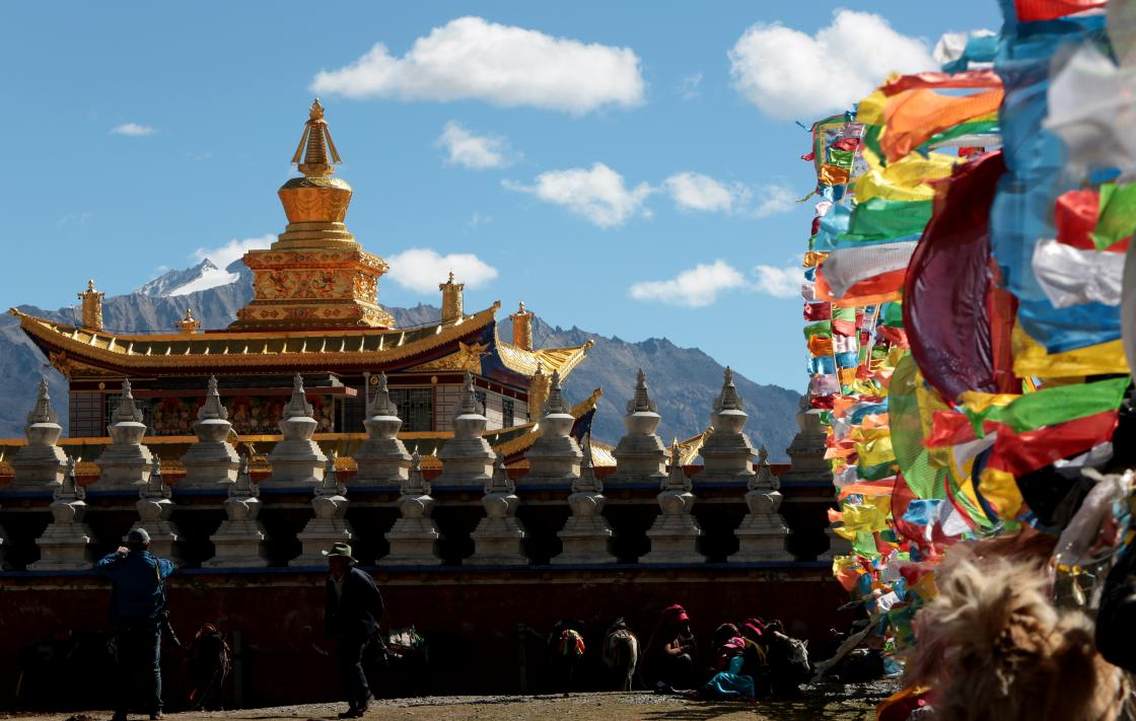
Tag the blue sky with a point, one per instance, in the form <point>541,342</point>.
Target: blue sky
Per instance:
<point>623,153</point>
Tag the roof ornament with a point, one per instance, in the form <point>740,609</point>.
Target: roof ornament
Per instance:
<point>587,482</point>
<point>641,402</point>
<point>70,490</point>
<point>244,487</point>
<point>91,311</point>
<point>677,479</point>
<point>469,403</point>
<point>189,324</point>
<point>764,477</point>
<point>42,412</point>
<point>555,402</point>
<point>500,481</point>
<point>298,406</point>
<point>728,400</point>
<point>416,483</point>
<point>212,409</point>
<point>379,402</point>
<point>126,412</point>
<point>156,486</point>
<point>312,154</point>
<point>452,302</point>
<point>330,485</point>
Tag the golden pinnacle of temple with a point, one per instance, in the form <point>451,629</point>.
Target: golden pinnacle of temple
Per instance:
<point>315,143</point>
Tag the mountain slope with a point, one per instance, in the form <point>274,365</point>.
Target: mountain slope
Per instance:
<point>683,381</point>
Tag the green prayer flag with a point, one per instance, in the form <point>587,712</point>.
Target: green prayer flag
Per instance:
<point>821,327</point>
<point>884,218</point>
<point>1117,214</point>
<point>1051,406</point>
<point>891,314</point>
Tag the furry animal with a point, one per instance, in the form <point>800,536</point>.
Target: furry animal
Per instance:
<point>787,662</point>
<point>210,660</point>
<point>621,652</point>
<point>993,647</point>
<point>565,651</point>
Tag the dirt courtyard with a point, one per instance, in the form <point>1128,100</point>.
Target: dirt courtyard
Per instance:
<point>835,703</point>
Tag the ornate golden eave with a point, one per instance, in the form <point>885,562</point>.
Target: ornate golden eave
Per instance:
<point>236,349</point>
<point>523,442</point>
<point>523,362</point>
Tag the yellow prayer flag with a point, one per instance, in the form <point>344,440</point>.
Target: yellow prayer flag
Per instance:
<point>1031,359</point>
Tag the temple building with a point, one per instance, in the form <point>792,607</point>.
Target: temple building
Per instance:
<point>314,311</point>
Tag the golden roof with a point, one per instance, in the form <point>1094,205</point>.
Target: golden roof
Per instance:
<point>219,349</point>
<point>529,432</point>
<point>689,449</point>
<point>525,362</point>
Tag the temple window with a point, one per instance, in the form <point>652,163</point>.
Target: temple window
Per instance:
<point>507,413</point>
<point>415,407</point>
<point>86,414</point>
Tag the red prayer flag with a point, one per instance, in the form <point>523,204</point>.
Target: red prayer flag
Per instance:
<point>1033,10</point>
<point>967,79</point>
<point>946,311</point>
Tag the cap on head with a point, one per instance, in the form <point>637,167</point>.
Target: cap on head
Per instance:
<point>339,550</point>
<point>138,537</point>
<point>675,614</point>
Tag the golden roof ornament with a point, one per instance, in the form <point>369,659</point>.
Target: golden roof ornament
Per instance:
<point>92,308</point>
<point>315,275</point>
<point>312,154</point>
<point>189,324</point>
<point>522,327</point>
<point>451,299</point>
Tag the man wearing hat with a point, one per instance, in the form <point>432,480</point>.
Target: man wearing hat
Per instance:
<point>137,605</point>
<point>354,607</point>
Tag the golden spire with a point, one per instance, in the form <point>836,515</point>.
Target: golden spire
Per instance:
<point>92,308</point>
<point>522,327</point>
<point>451,300</point>
<point>315,142</point>
<point>189,324</point>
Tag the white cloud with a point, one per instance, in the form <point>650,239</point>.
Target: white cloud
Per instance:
<point>598,194</point>
<point>689,86</point>
<point>471,151</point>
<point>774,199</point>
<point>697,287</point>
<point>778,282</point>
<point>422,269</point>
<point>694,191</point>
<point>479,218</point>
<point>132,129</point>
<point>790,75</point>
<point>472,59</point>
<point>223,256</point>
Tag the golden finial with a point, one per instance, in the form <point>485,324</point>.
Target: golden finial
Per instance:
<point>315,143</point>
<point>92,307</point>
<point>189,324</point>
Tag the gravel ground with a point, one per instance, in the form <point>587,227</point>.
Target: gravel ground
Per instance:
<point>831,702</point>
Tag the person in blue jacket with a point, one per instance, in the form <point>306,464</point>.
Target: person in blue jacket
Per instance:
<point>351,617</point>
<point>137,608</point>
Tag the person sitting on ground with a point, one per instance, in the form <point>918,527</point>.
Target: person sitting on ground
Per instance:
<point>673,651</point>
<point>137,609</point>
<point>354,607</point>
<point>729,682</point>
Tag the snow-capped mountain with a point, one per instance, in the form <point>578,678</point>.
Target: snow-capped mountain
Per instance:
<point>684,381</point>
<point>203,276</point>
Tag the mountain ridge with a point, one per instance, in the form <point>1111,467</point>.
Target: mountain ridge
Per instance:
<point>683,381</point>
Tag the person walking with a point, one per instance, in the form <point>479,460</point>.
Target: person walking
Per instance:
<point>354,608</point>
<point>137,615</point>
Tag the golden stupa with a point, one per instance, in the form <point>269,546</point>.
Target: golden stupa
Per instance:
<point>316,275</point>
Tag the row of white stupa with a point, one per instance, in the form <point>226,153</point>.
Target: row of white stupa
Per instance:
<point>467,459</point>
